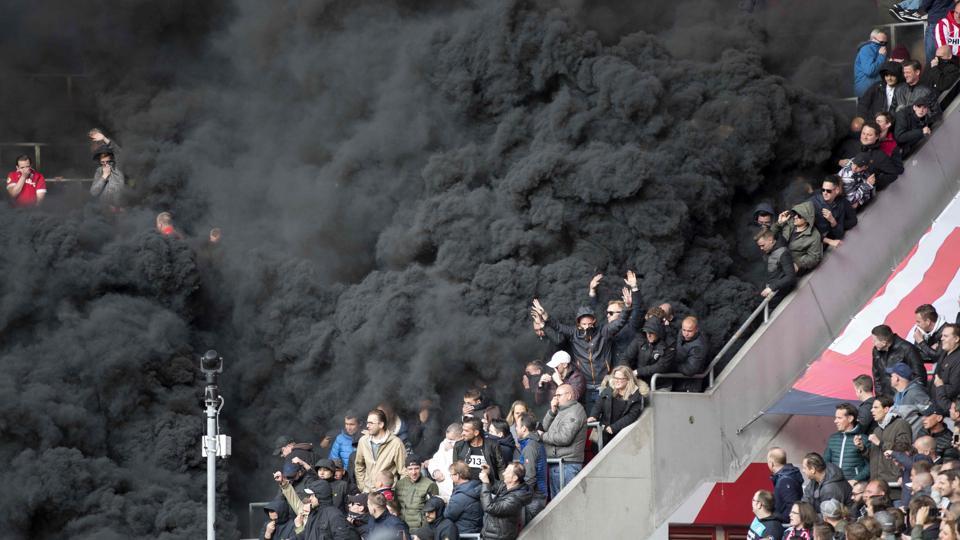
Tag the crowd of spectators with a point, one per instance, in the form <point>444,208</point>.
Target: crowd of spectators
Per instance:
<point>892,468</point>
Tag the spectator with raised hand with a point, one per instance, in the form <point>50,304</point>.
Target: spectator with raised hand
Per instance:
<point>620,404</point>
<point>378,451</point>
<point>801,237</point>
<point>535,391</point>
<point>913,125</point>
<point>781,277</point>
<point>833,215</point>
<point>324,469</point>
<point>614,310</point>
<point>413,490</point>
<point>503,503</point>
<point>565,436</point>
<point>766,524</point>
<point>25,185</point>
<point>787,482</point>
<point>825,481</point>
<point>913,90</point>
<point>317,518</point>
<point>890,349</point>
<point>109,183</point>
<point>879,97</point>
<point>946,377</point>
<point>476,450</point>
<point>926,332</point>
<point>841,449</point>
<point>590,346</point>
<point>943,72</point>
<point>871,55</point>
<point>923,518</point>
<point>464,508</point>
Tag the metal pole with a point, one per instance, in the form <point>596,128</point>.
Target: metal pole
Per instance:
<point>211,442</point>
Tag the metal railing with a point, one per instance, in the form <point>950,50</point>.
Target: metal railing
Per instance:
<point>763,308</point>
<point>36,150</point>
<point>893,29</point>
<point>559,463</point>
<point>596,429</point>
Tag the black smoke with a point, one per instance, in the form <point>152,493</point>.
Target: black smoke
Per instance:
<point>395,182</point>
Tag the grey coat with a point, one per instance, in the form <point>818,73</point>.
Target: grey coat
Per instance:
<point>566,432</point>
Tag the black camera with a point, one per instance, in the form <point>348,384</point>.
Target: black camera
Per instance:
<point>211,362</point>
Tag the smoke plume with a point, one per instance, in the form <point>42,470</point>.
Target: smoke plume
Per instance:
<point>395,182</point>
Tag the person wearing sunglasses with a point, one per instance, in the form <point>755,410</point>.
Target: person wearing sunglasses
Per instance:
<point>833,213</point>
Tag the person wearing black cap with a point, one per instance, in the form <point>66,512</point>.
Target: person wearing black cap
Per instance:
<point>413,489</point>
<point>913,124</point>
<point>911,396</point>
<point>357,512</point>
<point>325,471</point>
<point>933,426</point>
<point>316,519</point>
<point>589,346</point>
<point>288,448</point>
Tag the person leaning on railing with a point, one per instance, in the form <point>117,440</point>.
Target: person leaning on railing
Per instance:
<point>620,403</point>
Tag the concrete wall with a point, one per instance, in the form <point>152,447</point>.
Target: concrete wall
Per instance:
<point>637,482</point>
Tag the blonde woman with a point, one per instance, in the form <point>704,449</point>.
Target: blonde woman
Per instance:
<point>619,405</point>
<point>518,409</point>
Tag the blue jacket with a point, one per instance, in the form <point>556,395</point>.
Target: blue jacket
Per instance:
<point>464,507</point>
<point>866,68</point>
<point>787,489</point>
<point>342,448</point>
<point>536,453</point>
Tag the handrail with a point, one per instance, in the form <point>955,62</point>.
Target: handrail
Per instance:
<point>764,308</point>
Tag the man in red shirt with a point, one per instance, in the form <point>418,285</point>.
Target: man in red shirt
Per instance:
<point>165,225</point>
<point>26,186</point>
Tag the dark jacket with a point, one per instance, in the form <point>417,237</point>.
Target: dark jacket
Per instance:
<point>325,521</point>
<point>843,213</point>
<point>865,416</point>
<point>948,368</point>
<point>506,444</point>
<point>503,510</point>
<point>386,527</point>
<point>787,489</point>
<point>908,129</point>
<point>769,527</point>
<point>464,507</point>
<point>622,340</point>
<point>692,359</point>
<point>942,76</point>
<point>648,358</point>
<point>491,454</point>
<point>833,486</point>
<point>935,9</point>
<point>284,529</point>
<point>898,351</point>
<point>591,351</point>
<point>781,276</point>
<point>930,345</point>
<point>443,528</point>
<point>533,457</point>
<point>892,431</point>
<point>843,452</point>
<point>875,99</point>
<point>885,168</point>
<point>907,95</point>
<point>603,412</point>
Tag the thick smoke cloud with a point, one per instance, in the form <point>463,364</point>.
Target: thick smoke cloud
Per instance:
<point>395,182</point>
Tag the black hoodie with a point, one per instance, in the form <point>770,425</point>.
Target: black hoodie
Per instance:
<point>284,529</point>
<point>442,528</point>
